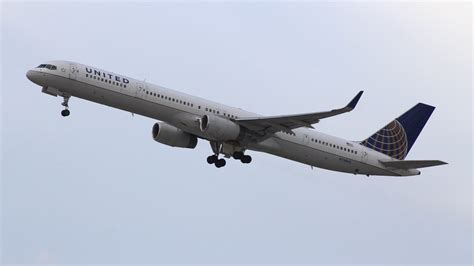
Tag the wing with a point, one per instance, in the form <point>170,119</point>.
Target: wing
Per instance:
<point>413,164</point>
<point>267,125</point>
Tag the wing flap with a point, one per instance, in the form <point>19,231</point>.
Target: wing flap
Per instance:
<point>412,164</point>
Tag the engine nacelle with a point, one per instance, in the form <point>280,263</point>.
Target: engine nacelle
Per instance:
<point>219,128</point>
<point>173,136</point>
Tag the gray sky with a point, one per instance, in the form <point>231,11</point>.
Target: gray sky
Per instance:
<point>95,188</point>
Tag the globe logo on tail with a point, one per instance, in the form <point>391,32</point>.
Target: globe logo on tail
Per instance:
<point>390,140</point>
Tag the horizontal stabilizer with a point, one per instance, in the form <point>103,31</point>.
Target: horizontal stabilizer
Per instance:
<point>412,164</point>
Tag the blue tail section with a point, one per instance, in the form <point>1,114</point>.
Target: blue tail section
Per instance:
<point>397,138</point>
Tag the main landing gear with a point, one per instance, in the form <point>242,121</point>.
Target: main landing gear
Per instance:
<point>238,155</point>
<point>217,149</point>
<point>213,159</point>
<point>66,111</point>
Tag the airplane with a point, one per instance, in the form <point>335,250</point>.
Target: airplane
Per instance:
<point>183,119</point>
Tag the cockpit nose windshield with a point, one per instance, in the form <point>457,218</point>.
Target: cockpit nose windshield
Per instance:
<point>48,66</point>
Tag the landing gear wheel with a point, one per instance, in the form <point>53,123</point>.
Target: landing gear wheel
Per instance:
<point>220,163</point>
<point>65,112</point>
<point>212,159</point>
<point>246,159</point>
<point>238,155</point>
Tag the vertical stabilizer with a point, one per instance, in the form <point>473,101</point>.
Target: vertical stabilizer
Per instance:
<point>397,138</point>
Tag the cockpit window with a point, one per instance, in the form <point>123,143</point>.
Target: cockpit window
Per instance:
<point>52,67</point>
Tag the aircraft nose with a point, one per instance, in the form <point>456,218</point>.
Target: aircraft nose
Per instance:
<point>29,74</point>
<point>33,76</point>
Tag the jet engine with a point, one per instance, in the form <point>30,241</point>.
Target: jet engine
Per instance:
<point>173,136</point>
<point>218,128</point>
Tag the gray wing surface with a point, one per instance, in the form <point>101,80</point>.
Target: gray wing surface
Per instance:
<point>268,125</point>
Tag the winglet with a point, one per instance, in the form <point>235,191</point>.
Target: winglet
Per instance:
<point>354,101</point>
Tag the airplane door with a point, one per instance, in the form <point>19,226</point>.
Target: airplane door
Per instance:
<point>364,157</point>
<point>140,90</point>
<point>73,71</point>
<point>305,139</point>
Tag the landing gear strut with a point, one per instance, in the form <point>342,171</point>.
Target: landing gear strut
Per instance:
<point>66,111</point>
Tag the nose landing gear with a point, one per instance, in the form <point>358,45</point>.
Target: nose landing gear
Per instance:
<point>66,111</point>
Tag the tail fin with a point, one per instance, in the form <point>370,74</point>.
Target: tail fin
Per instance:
<point>397,138</point>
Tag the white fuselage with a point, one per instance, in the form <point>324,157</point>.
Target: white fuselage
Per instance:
<point>185,111</point>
